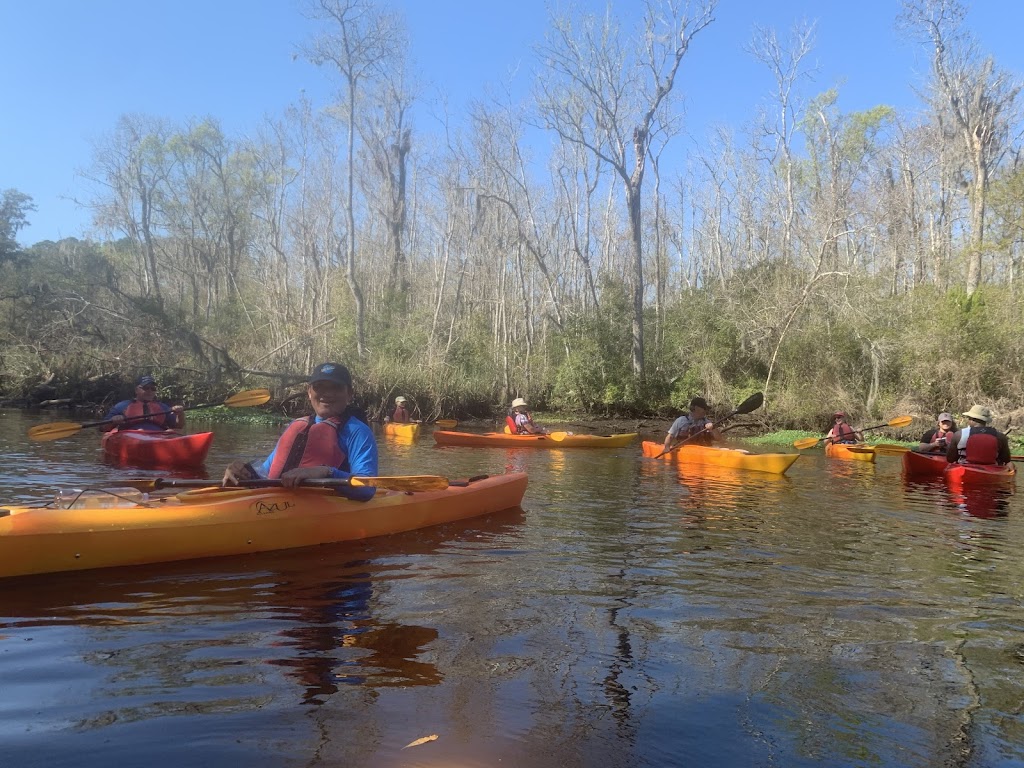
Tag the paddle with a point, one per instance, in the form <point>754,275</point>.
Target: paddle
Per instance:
<point>752,403</point>
<point>810,442</point>
<point>892,449</point>
<point>395,483</point>
<point>445,423</point>
<point>59,429</point>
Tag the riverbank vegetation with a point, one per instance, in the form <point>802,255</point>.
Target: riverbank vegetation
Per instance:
<point>868,260</point>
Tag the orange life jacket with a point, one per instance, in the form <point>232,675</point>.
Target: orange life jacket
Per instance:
<point>152,411</point>
<point>309,443</point>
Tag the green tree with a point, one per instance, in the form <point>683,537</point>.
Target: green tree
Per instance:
<point>14,209</point>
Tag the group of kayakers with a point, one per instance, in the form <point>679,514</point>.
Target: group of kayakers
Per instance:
<point>977,443</point>
<point>336,441</point>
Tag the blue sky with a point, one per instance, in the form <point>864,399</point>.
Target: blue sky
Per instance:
<point>72,67</point>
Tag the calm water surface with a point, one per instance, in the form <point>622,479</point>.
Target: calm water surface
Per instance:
<point>629,615</point>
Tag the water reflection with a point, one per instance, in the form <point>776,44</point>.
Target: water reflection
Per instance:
<point>837,616</point>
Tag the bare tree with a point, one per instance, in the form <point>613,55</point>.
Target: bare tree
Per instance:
<point>358,41</point>
<point>611,95</point>
<point>980,97</point>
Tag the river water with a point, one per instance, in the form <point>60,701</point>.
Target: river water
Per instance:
<point>630,614</point>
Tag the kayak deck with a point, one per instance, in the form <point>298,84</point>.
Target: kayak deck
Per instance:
<point>498,439</point>
<point>773,463</point>
<point>217,522</point>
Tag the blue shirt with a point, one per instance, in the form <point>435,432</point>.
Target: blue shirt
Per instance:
<point>155,407</point>
<point>357,442</point>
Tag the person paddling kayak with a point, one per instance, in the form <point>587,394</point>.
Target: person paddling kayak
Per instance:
<point>695,426</point>
<point>520,420</point>
<point>936,440</point>
<point>145,412</point>
<point>978,443</point>
<point>334,442</point>
<point>841,431</point>
<point>401,414</point>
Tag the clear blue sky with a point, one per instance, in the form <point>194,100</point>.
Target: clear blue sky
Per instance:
<point>71,67</point>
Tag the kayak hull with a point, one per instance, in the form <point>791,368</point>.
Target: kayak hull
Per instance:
<point>499,440</point>
<point>980,474</point>
<point>157,449</point>
<point>773,463</point>
<point>218,522</point>
<point>842,451</point>
<point>407,431</point>
<point>924,464</point>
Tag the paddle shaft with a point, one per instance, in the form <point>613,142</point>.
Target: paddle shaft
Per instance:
<point>60,429</point>
<point>398,483</point>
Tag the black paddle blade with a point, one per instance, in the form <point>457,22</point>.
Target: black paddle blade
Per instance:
<point>752,403</point>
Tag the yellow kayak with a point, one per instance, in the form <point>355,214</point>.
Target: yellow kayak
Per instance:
<point>857,452</point>
<point>553,440</point>
<point>774,463</point>
<point>394,429</point>
<point>113,530</point>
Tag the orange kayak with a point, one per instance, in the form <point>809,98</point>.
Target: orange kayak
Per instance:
<point>120,527</point>
<point>859,452</point>
<point>775,463</point>
<point>143,448</point>
<point>557,440</point>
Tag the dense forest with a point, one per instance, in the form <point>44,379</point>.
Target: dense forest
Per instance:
<point>865,260</point>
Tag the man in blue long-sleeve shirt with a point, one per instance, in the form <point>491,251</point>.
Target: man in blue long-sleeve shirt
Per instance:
<point>334,442</point>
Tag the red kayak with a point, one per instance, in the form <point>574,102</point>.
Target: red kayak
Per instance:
<point>933,464</point>
<point>168,449</point>
<point>980,474</point>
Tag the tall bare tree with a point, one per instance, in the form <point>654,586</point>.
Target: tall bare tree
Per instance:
<point>358,41</point>
<point>611,94</point>
<point>981,99</point>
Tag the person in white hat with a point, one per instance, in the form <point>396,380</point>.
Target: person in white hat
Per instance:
<point>401,414</point>
<point>978,443</point>
<point>522,420</point>
<point>936,440</point>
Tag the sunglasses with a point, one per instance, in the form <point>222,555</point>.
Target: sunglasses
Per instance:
<point>149,388</point>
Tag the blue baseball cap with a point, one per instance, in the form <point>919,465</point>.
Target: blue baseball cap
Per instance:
<point>145,381</point>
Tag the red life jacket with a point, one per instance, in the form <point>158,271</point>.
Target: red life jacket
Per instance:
<point>981,445</point>
<point>309,443</point>
<point>512,426</point>
<point>153,412</point>
<point>400,415</point>
<point>843,432</point>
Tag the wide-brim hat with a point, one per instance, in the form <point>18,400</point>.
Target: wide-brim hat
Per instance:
<point>979,413</point>
<point>518,402</point>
